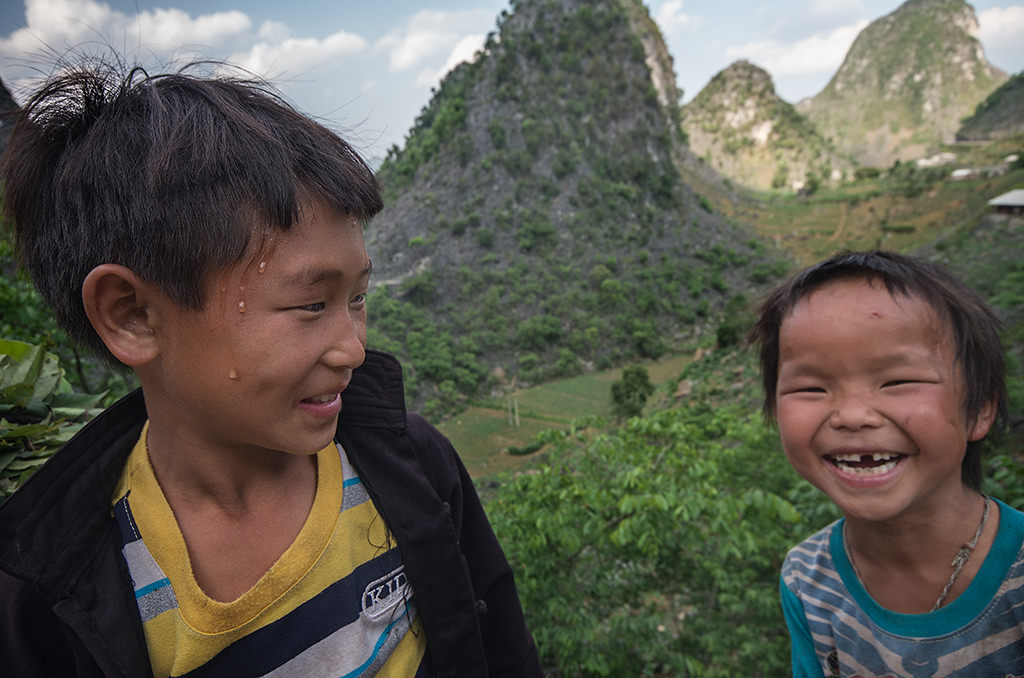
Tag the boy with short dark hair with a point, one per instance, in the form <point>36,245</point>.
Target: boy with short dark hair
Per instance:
<point>232,517</point>
<point>884,373</point>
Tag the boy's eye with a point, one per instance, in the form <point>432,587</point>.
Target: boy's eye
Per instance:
<point>790,390</point>
<point>359,299</point>
<point>317,307</point>
<point>897,382</point>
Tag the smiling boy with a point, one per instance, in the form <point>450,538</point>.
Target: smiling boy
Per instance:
<point>884,373</point>
<point>264,505</point>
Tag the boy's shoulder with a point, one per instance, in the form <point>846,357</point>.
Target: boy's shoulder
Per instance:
<point>374,402</point>
<point>810,562</point>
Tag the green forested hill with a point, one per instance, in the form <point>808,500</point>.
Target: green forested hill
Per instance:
<point>905,83</point>
<point>1000,115</point>
<point>537,224</point>
<point>743,129</point>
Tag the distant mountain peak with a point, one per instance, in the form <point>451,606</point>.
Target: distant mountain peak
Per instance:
<point>743,129</point>
<point>905,83</point>
<point>538,219</point>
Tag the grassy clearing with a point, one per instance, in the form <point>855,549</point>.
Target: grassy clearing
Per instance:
<point>483,434</point>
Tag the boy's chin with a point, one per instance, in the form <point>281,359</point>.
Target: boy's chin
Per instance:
<point>310,448</point>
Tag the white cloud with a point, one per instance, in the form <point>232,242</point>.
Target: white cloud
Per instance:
<point>841,7</point>
<point>53,27</point>
<point>164,38</point>
<point>816,54</point>
<point>464,50</point>
<point>274,31</point>
<point>1002,27</point>
<point>289,57</point>
<point>175,28</point>
<point>671,18</point>
<point>429,34</point>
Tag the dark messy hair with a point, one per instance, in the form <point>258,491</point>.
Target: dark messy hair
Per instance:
<point>173,176</point>
<point>973,327</point>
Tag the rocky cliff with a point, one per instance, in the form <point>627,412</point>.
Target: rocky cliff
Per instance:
<point>905,84</point>
<point>537,222</point>
<point>743,129</point>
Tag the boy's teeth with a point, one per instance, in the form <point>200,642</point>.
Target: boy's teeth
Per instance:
<point>876,456</point>
<point>323,399</point>
<point>880,462</point>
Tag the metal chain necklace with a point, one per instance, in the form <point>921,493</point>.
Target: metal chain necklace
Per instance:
<point>959,560</point>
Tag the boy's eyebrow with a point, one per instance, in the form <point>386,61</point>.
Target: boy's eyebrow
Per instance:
<point>312,276</point>
<point>798,367</point>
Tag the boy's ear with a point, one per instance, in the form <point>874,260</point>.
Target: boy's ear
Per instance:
<point>118,305</point>
<point>983,422</point>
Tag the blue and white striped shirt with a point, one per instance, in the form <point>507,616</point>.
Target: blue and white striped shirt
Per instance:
<point>838,630</point>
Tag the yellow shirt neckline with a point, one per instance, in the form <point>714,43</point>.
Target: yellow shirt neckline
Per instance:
<point>163,538</point>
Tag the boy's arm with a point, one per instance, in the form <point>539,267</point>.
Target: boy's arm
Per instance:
<point>32,639</point>
<point>804,658</point>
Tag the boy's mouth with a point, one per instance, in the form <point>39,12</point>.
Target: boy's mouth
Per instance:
<point>326,406</point>
<point>867,464</point>
<point>322,399</point>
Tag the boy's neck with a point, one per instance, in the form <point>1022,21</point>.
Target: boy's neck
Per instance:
<point>253,503</point>
<point>234,480</point>
<point>905,563</point>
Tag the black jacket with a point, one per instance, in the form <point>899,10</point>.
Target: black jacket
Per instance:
<point>66,601</point>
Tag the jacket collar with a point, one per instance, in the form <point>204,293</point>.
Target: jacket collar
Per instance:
<point>49,528</point>
<point>375,397</point>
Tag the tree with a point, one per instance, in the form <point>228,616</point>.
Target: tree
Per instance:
<point>630,393</point>
<point>653,548</point>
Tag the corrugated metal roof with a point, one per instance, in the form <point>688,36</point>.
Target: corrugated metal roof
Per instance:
<point>1011,199</point>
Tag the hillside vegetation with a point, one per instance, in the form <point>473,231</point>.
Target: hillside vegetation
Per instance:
<point>905,84</point>
<point>537,223</point>
<point>1000,115</point>
<point>743,129</point>
<point>653,547</point>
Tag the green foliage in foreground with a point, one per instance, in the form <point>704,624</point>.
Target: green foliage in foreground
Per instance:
<point>38,411</point>
<point>654,549</point>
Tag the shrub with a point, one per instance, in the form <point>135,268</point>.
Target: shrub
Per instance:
<point>39,412</point>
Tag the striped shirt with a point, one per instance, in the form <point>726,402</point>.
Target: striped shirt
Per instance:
<point>336,604</point>
<point>837,629</point>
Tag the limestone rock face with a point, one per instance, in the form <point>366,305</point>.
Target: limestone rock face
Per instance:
<point>543,190</point>
<point>743,129</point>
<point>907,81</point>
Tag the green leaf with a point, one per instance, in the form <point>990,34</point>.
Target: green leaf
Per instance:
<point>26,464</point>
<point>6,458</point>
<point>17,350</point>
<point>26,430</point>
<point>49,378</point>
<point>76,401</point>
<point>17,395</point>
<point>24,371</point>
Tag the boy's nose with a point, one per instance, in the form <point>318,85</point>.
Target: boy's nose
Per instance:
<point>347,347</point>
<point>854,413</point>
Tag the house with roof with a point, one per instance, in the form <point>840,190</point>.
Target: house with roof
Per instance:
<point>1011,202</point>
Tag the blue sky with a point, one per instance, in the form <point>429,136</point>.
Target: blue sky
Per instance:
<point>367,68</point>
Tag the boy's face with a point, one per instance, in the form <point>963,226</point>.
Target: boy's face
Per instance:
<point>869,403</point>
<point>264,364</point>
